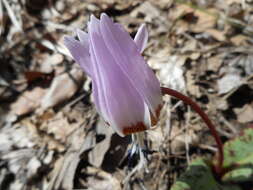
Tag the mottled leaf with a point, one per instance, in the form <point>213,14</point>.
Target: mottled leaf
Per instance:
<point>239,157</point>
<point>199,176</point>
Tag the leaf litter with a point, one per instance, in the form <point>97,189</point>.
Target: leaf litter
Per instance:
<point>51,136</point>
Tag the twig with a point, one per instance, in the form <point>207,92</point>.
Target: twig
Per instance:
<point>207,147</point>
<point>229,125</point>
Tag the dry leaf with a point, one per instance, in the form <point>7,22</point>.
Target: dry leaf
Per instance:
<point>156,137</point>
<point>59,127</point>
<point>205,21</point>
<point>179,138</point>
<point>239,39</point>
<point>244,114</point>
<point>55,59</point>
<point>62,88</point>
<point>229,82</point>
<point>96,155</point>
<point>100,180</point>
<point>217,34</point>
<point>190,83</point>
<point>169,68</point>
<point>28,101</point>
<point>214,63</point>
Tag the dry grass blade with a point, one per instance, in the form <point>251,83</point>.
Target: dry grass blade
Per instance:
<point>14,20</point>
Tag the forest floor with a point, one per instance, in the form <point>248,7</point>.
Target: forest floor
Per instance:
<point>51,136</point>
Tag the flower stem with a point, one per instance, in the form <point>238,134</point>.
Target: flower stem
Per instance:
<point>195,106</point>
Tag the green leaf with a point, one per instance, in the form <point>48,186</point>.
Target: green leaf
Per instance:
<point>238,154</point>
<point>239,175</point>
<point>239,150</point>
<point>198,176</point>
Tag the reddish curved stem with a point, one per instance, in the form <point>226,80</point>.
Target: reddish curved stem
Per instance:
<point>195,106</point>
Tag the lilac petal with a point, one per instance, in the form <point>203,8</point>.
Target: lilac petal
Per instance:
<point>80,53</point>
<point>141,37</point>
<point>83,37</point>
<point>97,82</point>
<point>127,57</point>
<point>117,98</point>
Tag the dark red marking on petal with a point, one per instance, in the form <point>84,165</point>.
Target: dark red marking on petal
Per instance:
<point>134,128</point>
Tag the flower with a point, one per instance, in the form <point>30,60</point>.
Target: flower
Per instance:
<point>126,92</point>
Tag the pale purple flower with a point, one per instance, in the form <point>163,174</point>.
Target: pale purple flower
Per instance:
<point>126,91</point>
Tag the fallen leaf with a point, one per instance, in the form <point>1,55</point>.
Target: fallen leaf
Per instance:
<point>100,180</point>
<point>169,69</point>
<point>239,39</point>
<point>244,114</point>
<point>59,127</point>
<point>62,88</point>
<point>96,155</point>
<point>190,83</point>
<point>28,101</point>
<point>214,63</point>
<point>229,82</point>
<point>217,34</point>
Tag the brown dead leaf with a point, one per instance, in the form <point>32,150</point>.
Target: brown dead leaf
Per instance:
<point>59,127</point>
<point>191,86</point>
<point>62,88</point>
<point>55,59</point>
<point>156,137</point>
<point>66,166</point>
<point>28,101</point>
<point>239,39</point>
<point>145,8</point>
<point>244,114</point>
<point>169,69</point>
<point>205,21</point>
<point>179,138</point>
<point>235,10</point>
<point>214,63</point>
<point>96,155</point>
<point>101,180</point>
<point>151,14</point>
<point>179,11</point>
<point>217,34</point>
<point>197,21</point>
<point>229,82</point>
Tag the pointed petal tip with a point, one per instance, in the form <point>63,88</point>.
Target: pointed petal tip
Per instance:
<point>105,18</point>
<point>143,25</point>
<point>82,36</point>
<point>141,37</point>
<point>93,24</point>
<point>93,18</point>
<point>104,15</point>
